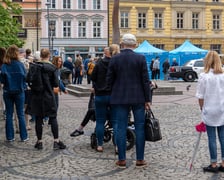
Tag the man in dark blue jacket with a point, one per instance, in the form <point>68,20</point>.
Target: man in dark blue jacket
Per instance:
<point>128,79</point>
<point>68,64</point>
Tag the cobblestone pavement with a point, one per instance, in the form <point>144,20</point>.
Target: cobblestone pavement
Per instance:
<point>168,159</point>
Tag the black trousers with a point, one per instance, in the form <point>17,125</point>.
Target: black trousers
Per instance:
<point>39,127</point>
<point>89,115</point>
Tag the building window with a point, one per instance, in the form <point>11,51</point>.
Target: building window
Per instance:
<point>66,29</point>
<point>82,4</point>
<point>82,29</point>
<point>19,19</point>
<point>215,0</point>
<point>180,20</point>
<point>124,20</point>
<point>177,45</point>
<point>52,4</point>
<point>160,46</point>
<point>216,22</point>
<point>198,45</point>
<point>96,4</point>
<point>67,4</point>
<point>216,47</point>
<point>158,20</point>
<point>96,29</point>
<point>141,20</point>
<point>195,20</point>
<point>17,0</point>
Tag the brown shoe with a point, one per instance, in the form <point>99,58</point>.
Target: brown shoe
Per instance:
<point>141,163</point>
<point>121,164</point>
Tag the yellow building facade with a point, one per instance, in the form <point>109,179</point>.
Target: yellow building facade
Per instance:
<point>166,24</point>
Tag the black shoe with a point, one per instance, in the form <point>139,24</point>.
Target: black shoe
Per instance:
<point>59,145</point>
<point>221,168</point>
<point>211,169</point>
<point>38,145</point>
<point>76,133</point>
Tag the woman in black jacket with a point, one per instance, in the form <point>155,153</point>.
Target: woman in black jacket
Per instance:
<point>102,95</point>
<point>43,103</point>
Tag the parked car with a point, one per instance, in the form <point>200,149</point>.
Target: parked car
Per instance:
<point>189,71</point>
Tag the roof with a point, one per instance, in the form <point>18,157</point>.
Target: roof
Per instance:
<point>147,48</point>
<point>188,48</point>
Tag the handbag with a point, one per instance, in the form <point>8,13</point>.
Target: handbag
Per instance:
<point>152,127</point>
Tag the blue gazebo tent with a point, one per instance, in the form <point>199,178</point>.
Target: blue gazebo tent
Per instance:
<point>187,51</point>
<point>150,52</point>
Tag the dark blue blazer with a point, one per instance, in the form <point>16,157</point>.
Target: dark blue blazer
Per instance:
<point>128,78</point>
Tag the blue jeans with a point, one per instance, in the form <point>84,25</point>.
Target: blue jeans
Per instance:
<point>18,99</point>
<point>103,113</point>
<point>121,113</point>
<point>211,132</point>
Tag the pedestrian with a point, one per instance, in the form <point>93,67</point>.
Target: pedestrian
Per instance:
<point>210,90</point>
<point>28,54</point>
<point>68,64</point>
<point>2,57</point>
<point>90,115</point>
<point>102,98</point>
<point>57,61</point>
<point>85,64</point>
<point>13,78</point>
<point>25,61</point>
<point>78,70</point>
<point>156,68</point>
<point>166,66</point>
<point>174,63</point>
<point>43,103</point>
<point>129,81</point>
<point>152,70</point>
<point>90,68</point>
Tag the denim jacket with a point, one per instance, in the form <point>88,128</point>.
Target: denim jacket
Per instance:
<point>13,77</point>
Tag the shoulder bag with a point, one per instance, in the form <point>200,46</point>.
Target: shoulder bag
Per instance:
<point>152,127</point>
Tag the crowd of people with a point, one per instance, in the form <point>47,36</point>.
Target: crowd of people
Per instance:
<point>155,68</point>
<point>120,84</point>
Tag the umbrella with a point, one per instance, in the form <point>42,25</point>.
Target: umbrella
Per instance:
<point>199,128</point>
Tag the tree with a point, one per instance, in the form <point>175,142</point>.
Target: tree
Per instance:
<point>115,22</point>
<point>9,26</point>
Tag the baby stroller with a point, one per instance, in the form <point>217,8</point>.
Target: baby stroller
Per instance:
<point>108,135</point>
<point>65,73</point>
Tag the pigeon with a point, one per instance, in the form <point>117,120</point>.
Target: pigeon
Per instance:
<point>188,87</point>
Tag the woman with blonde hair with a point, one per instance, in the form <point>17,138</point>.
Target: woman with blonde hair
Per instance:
<point>210,90</point>
<point>114,49</point>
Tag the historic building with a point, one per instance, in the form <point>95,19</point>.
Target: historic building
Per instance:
<point>166,24</point>
<point>30,20</point>
<point>74,27</point>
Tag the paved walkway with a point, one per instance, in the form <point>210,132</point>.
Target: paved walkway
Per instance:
<point>168,159</point>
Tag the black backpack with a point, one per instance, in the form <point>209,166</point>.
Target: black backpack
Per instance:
<point>34,77</point>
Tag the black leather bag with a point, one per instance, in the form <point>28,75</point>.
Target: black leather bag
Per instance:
<point>152,127</point>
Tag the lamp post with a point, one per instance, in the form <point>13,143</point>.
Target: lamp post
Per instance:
<point>48,19</point>
<point>52,28</point>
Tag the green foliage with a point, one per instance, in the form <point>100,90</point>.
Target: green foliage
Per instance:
<point>9,27</point>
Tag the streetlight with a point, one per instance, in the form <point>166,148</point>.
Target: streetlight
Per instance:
<point>48,19</point>
<point>52,29</point>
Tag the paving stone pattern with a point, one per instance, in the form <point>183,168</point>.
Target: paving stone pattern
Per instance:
<point>169,159</point>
